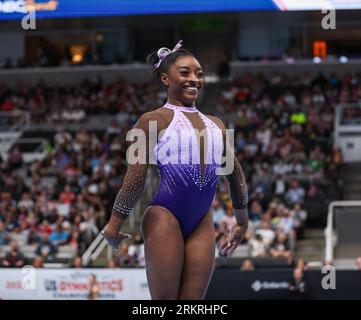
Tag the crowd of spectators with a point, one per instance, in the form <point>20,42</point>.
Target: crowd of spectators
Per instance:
<point>283,140</point>
<point>283,129</point>
<point>72,104</point>
<point>65,199</point>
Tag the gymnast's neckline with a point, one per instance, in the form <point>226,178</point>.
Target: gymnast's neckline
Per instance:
<point>181,108</point>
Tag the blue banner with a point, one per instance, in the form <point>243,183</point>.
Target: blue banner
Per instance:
<point>16,9</point>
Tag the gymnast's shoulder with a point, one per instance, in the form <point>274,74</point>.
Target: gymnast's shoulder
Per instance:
<point>217,121</point>
<point>155,115</point>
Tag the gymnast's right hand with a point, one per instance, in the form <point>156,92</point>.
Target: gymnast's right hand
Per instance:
<point>113,236</point>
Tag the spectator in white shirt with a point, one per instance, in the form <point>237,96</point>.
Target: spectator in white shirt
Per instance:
<point>286,222</point>
<point>257,246</point>
<point>299,217</point>
<point>266,232</point>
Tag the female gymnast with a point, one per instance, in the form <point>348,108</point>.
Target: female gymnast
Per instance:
<point>177,226</point>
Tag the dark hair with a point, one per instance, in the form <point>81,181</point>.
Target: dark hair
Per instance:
<point>153,58</point>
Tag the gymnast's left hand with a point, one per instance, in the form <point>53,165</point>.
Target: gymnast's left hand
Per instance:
<point>112,233</point>
<point>234,239</point>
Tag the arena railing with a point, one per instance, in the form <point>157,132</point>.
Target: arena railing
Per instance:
<point>14,121</point>
<point>12,125</point>
<point>36,146</point>
<point>330,236</point>
<point>347,132</point>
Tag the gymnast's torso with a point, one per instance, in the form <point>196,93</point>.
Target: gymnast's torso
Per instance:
<point>188,167</point>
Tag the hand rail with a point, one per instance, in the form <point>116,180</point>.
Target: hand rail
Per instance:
<point>329,234</point>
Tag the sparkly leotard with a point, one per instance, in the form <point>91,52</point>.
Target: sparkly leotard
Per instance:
<point>184,189</point>
<point>187,184</point>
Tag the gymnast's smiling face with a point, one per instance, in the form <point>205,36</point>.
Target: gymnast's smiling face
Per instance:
<point>184,79</point>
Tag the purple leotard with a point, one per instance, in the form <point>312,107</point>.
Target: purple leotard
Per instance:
<point>183,190</point>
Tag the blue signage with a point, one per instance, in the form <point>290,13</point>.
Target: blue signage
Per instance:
<point>16,9</point>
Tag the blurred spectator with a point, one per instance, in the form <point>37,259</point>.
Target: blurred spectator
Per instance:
<point>15,158</point>
<point>217,211</point>
<point>59,237</point>
<point>255,211</point>
<point>114,130</point>
<point>14,258</point>
<point>247,265</point>
<point>66,226</point>
<point>314,192</point>
<point>4,236</point>
<point>228,221</point>
<point>337,156</point>
<point>266,233</point>
<point>73,114</point>
<point>77,262</point>
<point>280,247</point>
<point>46,249</point>
<point>38,262</point>
<point>67,196</point>
<point>62,138</point>
<point>301,264</point>
<point>295,193</point>
<point>26,201</point>
<point>111,264</point>
<point>32,235</point>
<point>257,246</point>
<point>286,224</point>
<point>358,263</point>
<point>44,228</point>
<point>297,286</point>
<point>136,250</point>
<point>299,217</point>
<point>124,258</point>
<point>75,240</point>
<point>259,194</point>
<point>7,105</point>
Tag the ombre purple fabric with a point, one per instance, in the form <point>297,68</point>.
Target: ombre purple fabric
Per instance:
<point>183,190</point>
